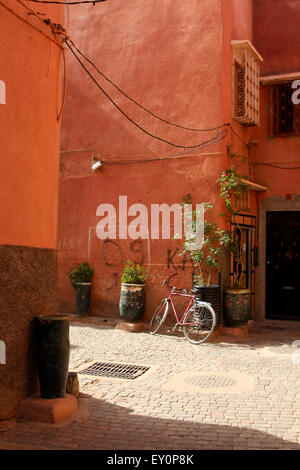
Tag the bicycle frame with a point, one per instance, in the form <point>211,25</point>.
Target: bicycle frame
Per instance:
<point>170,300</point>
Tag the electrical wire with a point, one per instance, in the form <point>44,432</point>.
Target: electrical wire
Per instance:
<point>138,104</point>
<point>123,112</point>
<point>66,3</point>
<point>240,139</point>
<point>146,109</point>
<point>212,141</point>
<point>30,24</point>
<point>276,166</point>
<point>60,30</point>
<point>64,86</point>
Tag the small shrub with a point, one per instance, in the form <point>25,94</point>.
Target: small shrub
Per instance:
<point>134,274</point>
<point>83,273</point>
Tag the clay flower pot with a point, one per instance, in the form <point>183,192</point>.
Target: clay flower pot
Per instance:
<point>83,297</point>
<point>237,307</point>
<point>211,295</point>
<point>132,301</point>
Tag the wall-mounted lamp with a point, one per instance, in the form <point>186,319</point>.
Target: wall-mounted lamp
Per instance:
<point>96,164</point>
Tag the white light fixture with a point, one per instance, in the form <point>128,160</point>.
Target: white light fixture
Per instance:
<point>96,164</point>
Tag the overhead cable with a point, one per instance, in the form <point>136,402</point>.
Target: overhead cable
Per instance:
<point>138,104</point>
<point>123,112</point>
<point>66,3</point>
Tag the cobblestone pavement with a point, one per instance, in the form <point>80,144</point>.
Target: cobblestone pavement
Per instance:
<point>225,394</point>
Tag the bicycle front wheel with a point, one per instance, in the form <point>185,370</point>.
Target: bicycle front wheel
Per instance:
<point>159,316</point>
<point>199,323</point>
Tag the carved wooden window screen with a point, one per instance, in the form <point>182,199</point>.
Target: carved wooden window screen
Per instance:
<point>246,72</point>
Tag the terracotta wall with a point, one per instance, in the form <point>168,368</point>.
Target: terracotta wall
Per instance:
<point>276,34</point>
<point>168,57</point>
<point>280,49</point>
<point>177,62</point>
<point>29,134</point>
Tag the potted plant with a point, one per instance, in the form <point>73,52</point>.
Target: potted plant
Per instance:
<point>132,299</point>
<point>206,260</point>
<point>236,298</point>
<point>80,280</point>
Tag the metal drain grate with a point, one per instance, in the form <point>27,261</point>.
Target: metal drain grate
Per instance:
<point>120,371</point>
<point>210,381</point>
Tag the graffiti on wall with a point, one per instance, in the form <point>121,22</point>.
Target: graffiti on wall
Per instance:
<point>113,254</point>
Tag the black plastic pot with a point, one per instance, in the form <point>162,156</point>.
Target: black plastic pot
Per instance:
<point>132,302</point>
<point>237,307</point>
<point>53,352</point>
<point>212,295</point>
<point>83,297</point>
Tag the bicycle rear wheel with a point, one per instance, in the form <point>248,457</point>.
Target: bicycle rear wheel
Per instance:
<point>159,316</point>
<point>199,323</point>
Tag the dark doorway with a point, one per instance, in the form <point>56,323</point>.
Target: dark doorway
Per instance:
<point>283,266</point>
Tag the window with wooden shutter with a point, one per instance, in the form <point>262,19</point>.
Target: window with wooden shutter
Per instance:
<point>246,74</point>
<point>286,114</point>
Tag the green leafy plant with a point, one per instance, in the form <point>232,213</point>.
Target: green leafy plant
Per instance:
<point>231,187</point>
<point>83,273</point>
<point>134,273</point>
<point>207,259</point>
<point>231,184</point>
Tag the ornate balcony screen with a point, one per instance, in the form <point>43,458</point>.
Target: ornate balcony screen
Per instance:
<point>246,73</point>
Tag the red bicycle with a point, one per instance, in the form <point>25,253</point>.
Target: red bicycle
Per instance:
<point>197,322</point>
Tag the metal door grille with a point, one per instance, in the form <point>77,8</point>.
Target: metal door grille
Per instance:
<point>120,371</point>
<point>246,222</point>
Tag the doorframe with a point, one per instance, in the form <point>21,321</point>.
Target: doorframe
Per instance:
<point>247,222</point>
<point>271,204</point>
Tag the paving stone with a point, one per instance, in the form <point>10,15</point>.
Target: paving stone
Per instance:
<point>139,414</point>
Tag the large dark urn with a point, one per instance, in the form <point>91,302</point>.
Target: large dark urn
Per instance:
<point>53,352</point>
<point>132,302</point>
<point>83,296</point>
<point>210,294</point>
<point>237,307</point>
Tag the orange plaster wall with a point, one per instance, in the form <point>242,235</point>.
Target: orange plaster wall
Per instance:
<point>29,131</point>
<point>169,58</point>
<point>237,25</point>
<point>280,49</point>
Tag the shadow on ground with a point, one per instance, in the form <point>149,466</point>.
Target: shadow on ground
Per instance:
<point>259,336</point>
<point>102,425</point>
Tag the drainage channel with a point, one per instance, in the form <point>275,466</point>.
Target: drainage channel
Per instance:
<point>120,371</point>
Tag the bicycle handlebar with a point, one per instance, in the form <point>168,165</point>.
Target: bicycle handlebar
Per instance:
<point>185,291</point>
